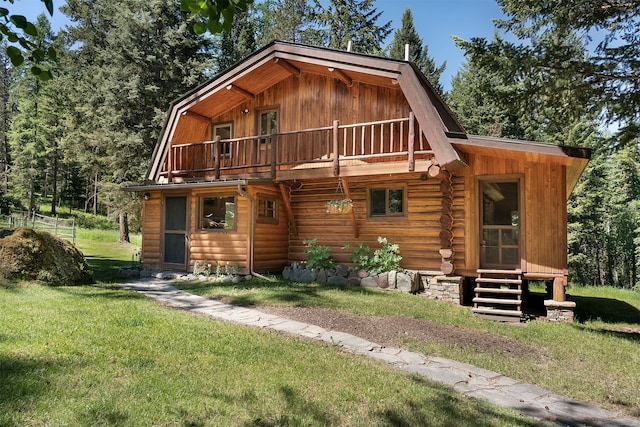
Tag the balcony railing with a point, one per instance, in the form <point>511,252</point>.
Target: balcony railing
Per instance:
<point>330,146</point>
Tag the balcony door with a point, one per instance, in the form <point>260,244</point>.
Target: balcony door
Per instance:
<point>175,232</point>
<point>268,125</point>
<point>500,224</point>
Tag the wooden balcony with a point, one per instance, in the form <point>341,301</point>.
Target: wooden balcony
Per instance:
<point>301,153</point>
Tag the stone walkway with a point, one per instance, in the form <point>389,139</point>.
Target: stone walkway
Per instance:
<point>527,399</point>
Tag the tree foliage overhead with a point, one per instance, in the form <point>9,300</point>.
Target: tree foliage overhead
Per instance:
<point>607,80</point>
<point>19,32</point>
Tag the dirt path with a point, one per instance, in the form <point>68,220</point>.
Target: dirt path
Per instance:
<point>392,330</point>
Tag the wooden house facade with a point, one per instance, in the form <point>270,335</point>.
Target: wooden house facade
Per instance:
<point>246,163</point>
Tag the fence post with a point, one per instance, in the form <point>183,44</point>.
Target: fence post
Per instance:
<point>274,147</point>
<point>55,227</point>
<point>73,230</point>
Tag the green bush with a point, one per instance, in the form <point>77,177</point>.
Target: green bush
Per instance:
<point>386,258</point>
<point>318,256</point>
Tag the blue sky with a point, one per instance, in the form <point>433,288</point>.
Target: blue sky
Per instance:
<point>435,20</point>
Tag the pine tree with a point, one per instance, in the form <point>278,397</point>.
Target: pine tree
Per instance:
<point>288,20</point>
<point>418,52</point>
<point>356,21</point>
<point>133,58</point>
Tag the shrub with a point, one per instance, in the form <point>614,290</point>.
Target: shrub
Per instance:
<point>318,256</point>
<point>386,258</point>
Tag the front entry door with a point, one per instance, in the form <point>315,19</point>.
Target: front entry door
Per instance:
<point>500,228</point>
<point>175,232</point>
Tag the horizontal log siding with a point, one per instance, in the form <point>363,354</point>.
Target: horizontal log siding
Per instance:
<point>417,233</point>
<point>271,241</point>
<point>221,246</point>
<point>543,216</point>
<point>151,214</point>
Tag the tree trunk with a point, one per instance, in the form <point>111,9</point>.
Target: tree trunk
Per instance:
<point>124,227</point>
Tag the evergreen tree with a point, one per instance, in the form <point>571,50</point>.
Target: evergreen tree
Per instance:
<point>239,42</point>
<point>418,52</point>
<point>30,137</point>
<point>132,59</point>
<point>353,20</point>
<point>608,79</point>
<point>288,20</point>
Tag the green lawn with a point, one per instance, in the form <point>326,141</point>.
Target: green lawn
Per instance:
<point>99,355</point>
<point>594,359</point>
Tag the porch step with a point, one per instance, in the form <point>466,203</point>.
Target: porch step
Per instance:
<point>498,291</point>
<point>498,294</point>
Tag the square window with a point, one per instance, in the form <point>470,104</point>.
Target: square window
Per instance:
<point>217,213</point>
<point>384,202</point>
<point>267,209</point>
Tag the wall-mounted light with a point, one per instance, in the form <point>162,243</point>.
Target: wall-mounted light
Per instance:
<point>146,196</point>
<point>245,111</point>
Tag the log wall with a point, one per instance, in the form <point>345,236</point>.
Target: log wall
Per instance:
<point>271,241</point>
<point>417,233</point>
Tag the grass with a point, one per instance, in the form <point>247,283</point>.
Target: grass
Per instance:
<point>99,355</point>
<point>594,359</point>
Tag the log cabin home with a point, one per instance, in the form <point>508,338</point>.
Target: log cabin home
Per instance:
<point>246,163</point>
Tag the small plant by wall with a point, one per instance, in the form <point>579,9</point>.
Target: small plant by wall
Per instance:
<point>386,258</point>
<point>318,256</point>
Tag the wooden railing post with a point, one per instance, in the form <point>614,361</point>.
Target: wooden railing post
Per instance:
<point>412,137</point>
<point>216,157</point>
<point>170,161</point>
<point>336,147</point>
<point>274,147</point>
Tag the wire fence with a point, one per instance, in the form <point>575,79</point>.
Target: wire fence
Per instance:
<point>61,227</point>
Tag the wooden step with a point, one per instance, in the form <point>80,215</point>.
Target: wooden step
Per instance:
<point>500,281</point>
<point>503,312</point>
<point>505,272</point>
<point>504,301</point>
<point>498,291</point>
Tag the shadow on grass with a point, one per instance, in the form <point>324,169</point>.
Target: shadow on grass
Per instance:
<point>450,409</point>
<point>607,310</point>
<point>21,380</point>
<point>106,269</point>
<point>280,291</point>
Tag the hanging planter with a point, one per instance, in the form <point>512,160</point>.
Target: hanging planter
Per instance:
<point>339,206</point>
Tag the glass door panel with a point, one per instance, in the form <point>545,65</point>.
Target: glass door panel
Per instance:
<point>500,225</point>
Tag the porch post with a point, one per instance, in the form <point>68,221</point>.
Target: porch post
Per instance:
<point>412,142</point>
<point>170,162</point>
<point>336,146</point>
<point>559,293</point>
<point>216,157</point>
<point>274,148</point>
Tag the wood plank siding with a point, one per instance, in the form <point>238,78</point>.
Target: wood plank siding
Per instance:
<point>543,246</point>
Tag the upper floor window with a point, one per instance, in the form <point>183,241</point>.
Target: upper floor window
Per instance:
<point>385,202</point>
<point>224,131</point>
<point>217,213</point>
<point>268,122</point>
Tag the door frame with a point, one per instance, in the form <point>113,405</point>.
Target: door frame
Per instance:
<point>187,232</point>
<point>512,178</point>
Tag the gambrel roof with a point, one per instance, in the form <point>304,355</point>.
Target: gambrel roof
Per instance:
<point>279,60</point>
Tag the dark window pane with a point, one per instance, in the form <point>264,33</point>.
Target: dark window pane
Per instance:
<point>490,238</point>
<point>500,203</point>
<point>395,201</point>
<point>510,237</point>
<point>510,256</point>
<point>378,202</point>
<point>174,248</point>
<point>491,255</point>
<point>175,213</point>
<point>218,212</point>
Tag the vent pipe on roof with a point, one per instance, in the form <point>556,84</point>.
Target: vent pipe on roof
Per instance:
<point>406,52</point>
<point>349,45</point>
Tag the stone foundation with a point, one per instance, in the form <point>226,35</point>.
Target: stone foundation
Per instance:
<point>559,311</point>
<point>445,288</point>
